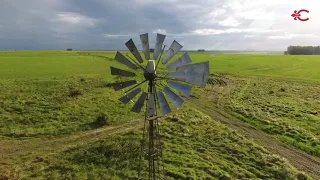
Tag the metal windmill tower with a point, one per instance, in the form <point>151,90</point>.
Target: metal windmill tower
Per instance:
<point>180,77</point>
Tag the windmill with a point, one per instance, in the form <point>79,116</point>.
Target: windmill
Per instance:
<point>179,78</point>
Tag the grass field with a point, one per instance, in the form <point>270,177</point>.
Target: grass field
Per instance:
<point>196,148</point>
<point>61,63</point>
<point>57,94</point>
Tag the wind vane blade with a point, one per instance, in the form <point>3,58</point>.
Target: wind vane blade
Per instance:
<point>165,108</point>
<point>184,59</point>
<point>133,49</point>
<point>197,74</point>
<point>177,101</point>
<point>120,72</point>
<point>127,98</point>
<point>140,102</point>
<point>173,50</point>
<point>123,60</point>
<point>182,88</point>
<point>122,85</point>
<point>145,45</point>
<point>158,46</point>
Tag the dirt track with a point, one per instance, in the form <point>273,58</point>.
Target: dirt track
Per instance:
<point>297,158</point>
<point>37,147</point>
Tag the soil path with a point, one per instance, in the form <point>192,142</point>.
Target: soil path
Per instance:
<point>12,151</point>
<point>297,158</point>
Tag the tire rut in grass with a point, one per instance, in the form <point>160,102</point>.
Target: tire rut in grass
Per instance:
<point>297,158</point>
<point>33,148</point>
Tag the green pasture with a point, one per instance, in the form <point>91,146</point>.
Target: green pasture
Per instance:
<point>45,64</point>
<point>58,94</point>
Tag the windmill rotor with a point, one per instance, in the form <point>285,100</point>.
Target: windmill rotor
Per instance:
<point>180,77</point>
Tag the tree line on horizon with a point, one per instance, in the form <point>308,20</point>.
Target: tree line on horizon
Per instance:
<point>302,50</point>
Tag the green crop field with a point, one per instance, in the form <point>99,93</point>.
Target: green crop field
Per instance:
<point>59,119</point>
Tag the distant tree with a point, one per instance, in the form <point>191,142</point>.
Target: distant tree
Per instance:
<point>285,53</point>
<point>303,50</point>
<point>69,49</point>
<point>151,50</point>
<point>317,50</point>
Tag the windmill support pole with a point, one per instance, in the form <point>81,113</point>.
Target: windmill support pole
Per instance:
<point>152,172</point>
<point>152,135</point>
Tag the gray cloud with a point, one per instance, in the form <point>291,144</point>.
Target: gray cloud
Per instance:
<point>108,24</point>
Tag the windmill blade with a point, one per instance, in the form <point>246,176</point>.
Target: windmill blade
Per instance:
<point>196,74</point>
<point>140,102</point>
<point>165,108</point>
<point>120,72</point>
<point>182,88</point>
<point>122,85</point>
<point>127,98</point>
<point>184,59</point>
<point>133,49</point>
<point>177,101</point>
<point>145,45</point>
<point>123,60</point>
<point>173,50</point>
<point>151,107</point>
<point>158,46</point>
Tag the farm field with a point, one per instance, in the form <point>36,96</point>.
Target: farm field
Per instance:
<point>290,110</point>
<point>59,119</point>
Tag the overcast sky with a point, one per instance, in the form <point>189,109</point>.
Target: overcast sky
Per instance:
<point>205,24</point>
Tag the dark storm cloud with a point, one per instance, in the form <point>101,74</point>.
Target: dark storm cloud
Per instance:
<point>108,24</point>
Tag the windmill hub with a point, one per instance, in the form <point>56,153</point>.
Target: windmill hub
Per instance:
<point>150,73</point>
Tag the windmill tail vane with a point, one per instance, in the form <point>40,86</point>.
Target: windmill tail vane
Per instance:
<point>179,79</point>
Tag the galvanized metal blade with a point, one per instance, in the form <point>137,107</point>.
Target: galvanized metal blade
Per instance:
<point>177,101</point>
<point>151,107</point>
<point>158,46</point>
<point>196,74</point>
<point>123,60</point>
<point>184,59</point>
<point>122,85</point>
<point>165,108</point>
<point>145,45</point>
<point>133,49</point>
<point>182,88</point>
<point>127,98</point>
<point>120,72</point>
<point>178,75</point>
<point>140,102</point>
<point>173,50</point>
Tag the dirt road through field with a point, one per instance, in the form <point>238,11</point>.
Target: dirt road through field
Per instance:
<point>297,158</point>
<point>12,151</point>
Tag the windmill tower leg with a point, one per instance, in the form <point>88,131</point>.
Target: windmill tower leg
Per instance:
<point>152,113</point>
<point>152,149</point>
<point>152,173</point>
